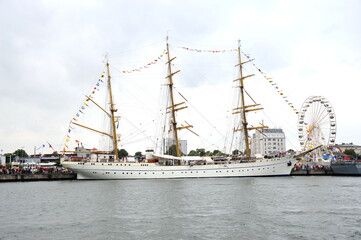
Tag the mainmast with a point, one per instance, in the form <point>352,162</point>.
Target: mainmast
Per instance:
<point>244,109</point>
<point>172,107</point>
<point>241,87</point>
<point>112,117</point>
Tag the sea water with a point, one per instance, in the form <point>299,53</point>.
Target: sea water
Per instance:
<point>302,207</point>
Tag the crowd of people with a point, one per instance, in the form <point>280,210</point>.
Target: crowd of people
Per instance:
<point>311,166</point>
<point>33,170</point>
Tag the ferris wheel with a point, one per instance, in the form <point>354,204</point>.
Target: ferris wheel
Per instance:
<point>316,123</point>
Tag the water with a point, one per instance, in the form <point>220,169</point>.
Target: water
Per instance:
<point>319,207</point>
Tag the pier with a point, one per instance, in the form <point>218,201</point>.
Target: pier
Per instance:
<point>309,172</point>
<point>37,177</point>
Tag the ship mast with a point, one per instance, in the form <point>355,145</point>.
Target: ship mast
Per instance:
<point>241,87</point>
<point>244,109</point>
<point>173,106</point>
<point>112,117</point>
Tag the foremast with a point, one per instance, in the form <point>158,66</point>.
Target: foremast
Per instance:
<point>173,108</point>
<point>112,113</point>
<point>244,109</point>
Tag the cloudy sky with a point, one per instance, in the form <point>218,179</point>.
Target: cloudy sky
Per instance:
<point>52,53</point>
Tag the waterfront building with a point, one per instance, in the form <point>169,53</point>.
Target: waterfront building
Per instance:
<point>182,144</point>
<point>344,146</point>
<point>268,141</point>
<point>2,160</point>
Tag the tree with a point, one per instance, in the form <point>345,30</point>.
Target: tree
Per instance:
<point>217,153</point>
<point>291,151</point>
<point>350,152</point>
<point>235,152</point>
<point>9,157</point>
<point>173,151</point>
<point>138,154</point>
<point>122,153</point>
<point>20,153</point>
<point>192,153</point>
<point>208,153</point>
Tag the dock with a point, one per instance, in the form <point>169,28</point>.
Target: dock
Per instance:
<point>309,172</point>
<point>37,177</point>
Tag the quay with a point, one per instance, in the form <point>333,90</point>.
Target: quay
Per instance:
<point>37,177</point>
<point>311,172</point>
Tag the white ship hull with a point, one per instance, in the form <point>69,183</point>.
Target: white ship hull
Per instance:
<point>122,170</point>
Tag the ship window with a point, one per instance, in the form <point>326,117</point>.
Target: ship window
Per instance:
<point>162,172</point>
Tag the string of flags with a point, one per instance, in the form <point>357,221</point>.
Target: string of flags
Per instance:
<point>43,146</point>
<point>273,83</point>
<point>156,60</point>
<point>212,51</point>
<point>82,109</point>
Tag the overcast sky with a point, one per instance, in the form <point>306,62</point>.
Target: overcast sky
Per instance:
<point>52,52</point>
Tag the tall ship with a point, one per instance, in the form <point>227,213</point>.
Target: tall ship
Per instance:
<point>166,165</point>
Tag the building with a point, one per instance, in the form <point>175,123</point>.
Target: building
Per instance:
<point>182,144</point>
<point>345,146</point>
<point>2,160</point>
<point>268,141</point>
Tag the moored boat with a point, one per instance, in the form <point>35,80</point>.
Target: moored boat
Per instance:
<point>108,165</point>
<point>346,167</point>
